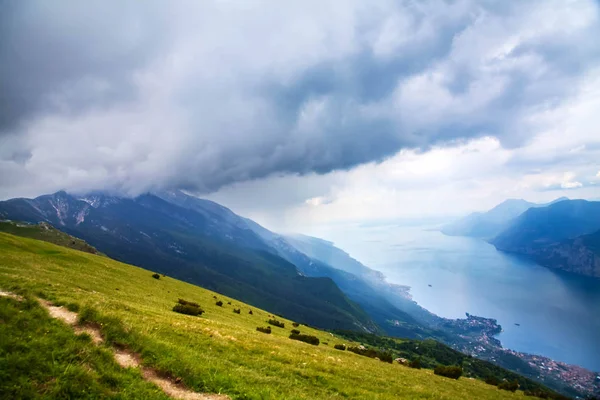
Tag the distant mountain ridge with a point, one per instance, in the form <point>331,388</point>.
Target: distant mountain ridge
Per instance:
<point>562,234</point>
<point>316,257</point>
<point>486,225</point>
<point>205,248</point>
<point>207,244</point>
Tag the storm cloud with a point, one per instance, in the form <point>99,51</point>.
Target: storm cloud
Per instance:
<point>135,96</point>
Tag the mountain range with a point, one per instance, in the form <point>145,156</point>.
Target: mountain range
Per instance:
<point>563,234</point>
<point>295,276</point>
<point>204,243</point>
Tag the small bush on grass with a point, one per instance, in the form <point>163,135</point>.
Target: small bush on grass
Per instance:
<point>187,309</point>
<point>372,353</point>
<point>449,371</point>
<point>156,276</point>
<point>237,310</point>
<point>219,303</point>
<point>416,363</point>
<point>305,338</point>
<point>295,324</point>
<point>510,386</point>
<point>264,330</point>
<point>340,347</point>
<point>537,393</point>
<point>296,331</point>
<point>492,380</point>
<point>188,303</point>
<point>250,312</point>
<point>274,322</point>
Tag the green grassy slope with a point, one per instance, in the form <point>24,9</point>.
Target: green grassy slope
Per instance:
<point>42,358</point>
<point>47,233</point>
<point>218,352</point>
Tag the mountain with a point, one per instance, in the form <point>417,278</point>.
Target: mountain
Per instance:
<point>491,223</point>
<point>319,258</point>
<point>563,235</point>
<point>47,233</point>
<point>580,255</point>
<point>323,251</point>
<point>538,227</point>
<point>204,248</point>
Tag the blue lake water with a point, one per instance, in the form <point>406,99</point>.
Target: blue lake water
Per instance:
<point>558,313</point>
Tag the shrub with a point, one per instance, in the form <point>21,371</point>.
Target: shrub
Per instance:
<point>219,303</point>
<point>188,303</point>
<point>229,302</point>
<point>295,324</point>
<point>237,310</point>
<point>310,339</point>
<point>416,363</point>
<point>537,393</point>
<point>156,276</point>
<point>510,386</point>
<point>385,357</point>
<point>250,312</point>
<point>340,347</point>
<point>188,309</point>
<point>372,353</point>
<point>296,331</point>
<point>274,322</point>
<point>449,371</point>
<point>264,330</point>
<point>492,380</point>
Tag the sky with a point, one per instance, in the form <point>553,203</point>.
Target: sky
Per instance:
<point>299,113</point>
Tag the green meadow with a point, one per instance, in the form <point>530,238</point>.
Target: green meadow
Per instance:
<point>217,352</point>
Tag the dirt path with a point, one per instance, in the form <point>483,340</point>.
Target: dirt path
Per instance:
<point>124,358</point>
<point>11,295</point>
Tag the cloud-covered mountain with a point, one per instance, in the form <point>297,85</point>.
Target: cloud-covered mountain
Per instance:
<point>205,243</point>
<point>200,248</point>
<point>134,97</point>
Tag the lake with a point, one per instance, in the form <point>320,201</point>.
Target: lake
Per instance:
<point>558,313</point>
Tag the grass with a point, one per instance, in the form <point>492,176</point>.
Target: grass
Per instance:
<point>42,358</point>
<point>47,233</point>
<point>220,351</point>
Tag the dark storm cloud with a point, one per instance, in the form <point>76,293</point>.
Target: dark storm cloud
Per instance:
<point>69,56</point>
<point>199,95</point>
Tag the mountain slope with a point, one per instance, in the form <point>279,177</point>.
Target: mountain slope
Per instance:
<point>397,296</point>
<point>538,227</point>
<point>580,255</point>
<point>218,352</point>
<point>491,223</point>
<point>183,243</point>
<point>319,258</point>
<point>47,233</point>
<point>563,235</point>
